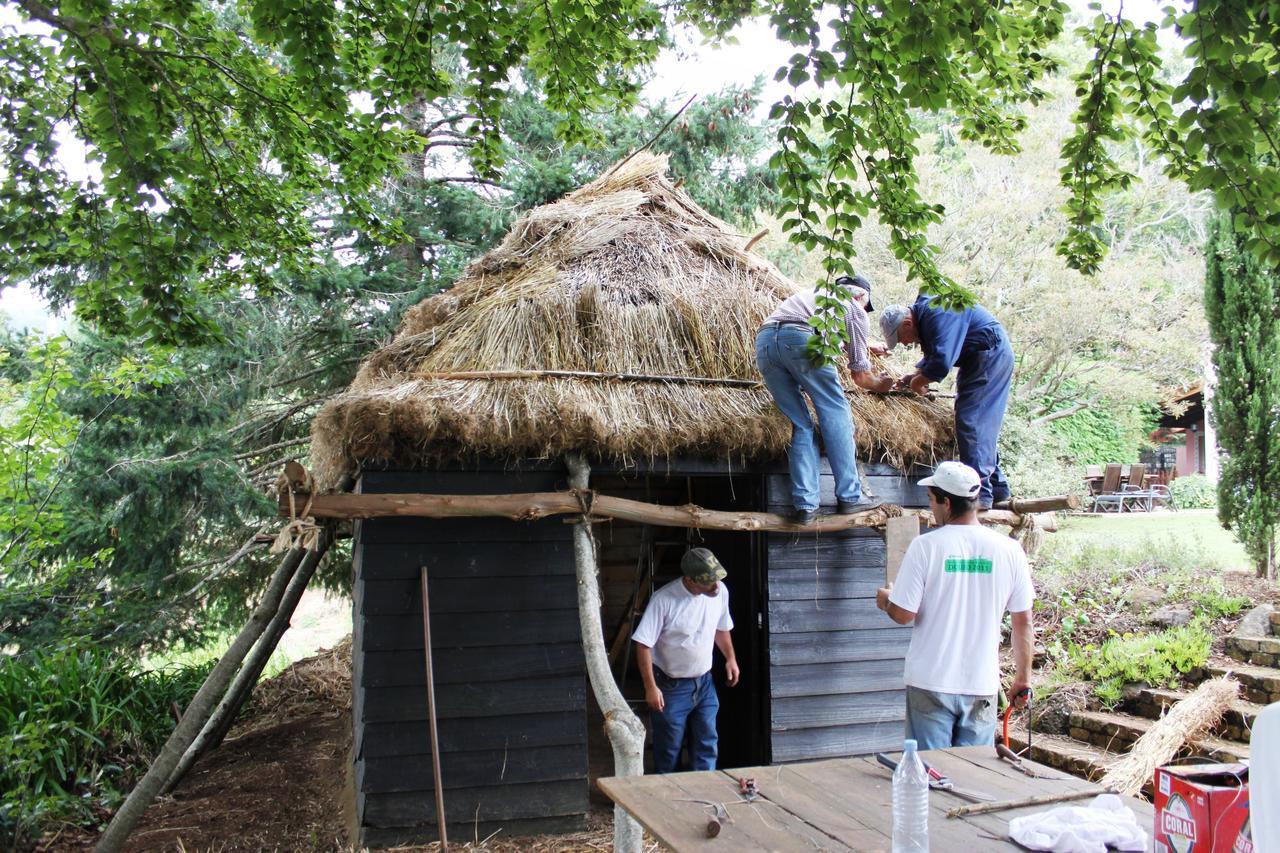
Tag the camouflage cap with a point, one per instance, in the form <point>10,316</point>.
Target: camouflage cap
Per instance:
<point>701,566</point>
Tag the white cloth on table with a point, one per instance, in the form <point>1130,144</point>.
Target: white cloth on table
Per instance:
<point>1105,824</point>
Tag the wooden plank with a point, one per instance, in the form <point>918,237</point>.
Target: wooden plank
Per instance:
<point>808,712</point>
<point>824,679</point>
<point>844,550</point>
<point>483,529</point>
<point>824,584</point>
<point>472,769</point>
<point>836,741</point>
<point>478,733</point>
<point>899,533</point>
<point>839,646</point>
<point>898,490</point>
<point>454,665</point>
<point>489,559</point>
<point>466,629</point>
<point>662,805</point>
<point>475,832</point>
<point>824,804</point>
<point>492,699</point>
<point>862,773</point>
<point>463,805</point>
<point>469,595</point>
<point>807,615</point>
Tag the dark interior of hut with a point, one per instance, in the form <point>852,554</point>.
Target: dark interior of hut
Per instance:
<point>636,559</point>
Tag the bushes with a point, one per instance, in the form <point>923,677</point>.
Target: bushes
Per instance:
<point>1193,492</point>
<point>76,726</point>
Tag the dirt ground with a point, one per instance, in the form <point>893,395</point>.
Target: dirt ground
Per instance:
<point>279,781</point>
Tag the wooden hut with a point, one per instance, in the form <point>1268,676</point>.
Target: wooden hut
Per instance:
<point>618,322</point>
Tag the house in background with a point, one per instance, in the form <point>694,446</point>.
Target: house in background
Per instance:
<point>1185,440</point>
<point>619,323</point>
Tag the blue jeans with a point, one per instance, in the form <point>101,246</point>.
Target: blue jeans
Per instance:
<point>689,704</point>
<point>783,359</point>
<point>942,720</point>
<point>982,393</point>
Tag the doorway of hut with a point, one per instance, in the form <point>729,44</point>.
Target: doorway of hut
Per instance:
<point>637,559</point>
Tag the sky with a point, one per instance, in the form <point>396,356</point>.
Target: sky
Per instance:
<point>690,69</point>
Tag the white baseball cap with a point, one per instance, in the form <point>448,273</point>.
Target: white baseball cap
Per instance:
<point>955,478</point>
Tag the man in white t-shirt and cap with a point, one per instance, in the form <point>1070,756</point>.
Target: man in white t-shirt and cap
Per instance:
<point>674,641</point>
<point>955,585</point>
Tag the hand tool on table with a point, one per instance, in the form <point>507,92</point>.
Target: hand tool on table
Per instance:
<point>1040,800</point>
<point>1007,754</point>
<point>747,788</point>
<point>937,781</point>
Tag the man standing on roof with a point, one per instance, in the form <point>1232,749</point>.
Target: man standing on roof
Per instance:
<point>956,584</point>
<point>684,619</point>
<point>783,357</point>
<point>973,342</point>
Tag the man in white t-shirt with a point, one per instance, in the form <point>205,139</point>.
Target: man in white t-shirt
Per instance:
<point>683,621</point>
<point>955,585</point>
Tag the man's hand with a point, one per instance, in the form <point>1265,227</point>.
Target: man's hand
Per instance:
<point>654,699</point>
<point>878,349</point>
<point>882,596</point>
<point>731,673</point>
<point>884,383</point>
<point>920,384</point>
<point>1019,694</point>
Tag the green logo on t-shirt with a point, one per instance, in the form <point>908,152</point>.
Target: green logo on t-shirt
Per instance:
<point>969,566</point>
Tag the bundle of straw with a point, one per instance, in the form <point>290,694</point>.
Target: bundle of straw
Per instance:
<point>1185,721</point>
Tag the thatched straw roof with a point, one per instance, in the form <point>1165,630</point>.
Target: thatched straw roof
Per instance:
<point>625,275</point>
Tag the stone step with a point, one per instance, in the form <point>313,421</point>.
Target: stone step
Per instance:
<point>1064,753</point>
<point>1259,684</point>
<point>1275,624</point>
<point>1236,723</point>
<point>1117,732</point>
<point>1259,651</point>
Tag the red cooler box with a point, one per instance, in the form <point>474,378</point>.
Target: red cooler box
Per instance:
<point>1203,808</point>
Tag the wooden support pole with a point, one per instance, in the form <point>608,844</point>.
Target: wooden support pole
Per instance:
<point>1032,506</point>
<point>201,705</point>
<point>215,730</point>
<point>625,731</point>
<point>531,506</point>
<point>436,774</point>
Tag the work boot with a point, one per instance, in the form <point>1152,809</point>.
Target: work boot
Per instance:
<point>851,507</point>
<point>803,516</point>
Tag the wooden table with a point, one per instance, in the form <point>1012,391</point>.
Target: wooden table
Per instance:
<point>842,804</point>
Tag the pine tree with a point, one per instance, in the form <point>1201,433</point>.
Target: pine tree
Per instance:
<point>1242,301</point>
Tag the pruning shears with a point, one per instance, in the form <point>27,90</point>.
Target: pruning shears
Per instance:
<point>937,781</point>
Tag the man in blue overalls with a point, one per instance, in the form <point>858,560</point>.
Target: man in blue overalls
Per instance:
<point>973,342</point>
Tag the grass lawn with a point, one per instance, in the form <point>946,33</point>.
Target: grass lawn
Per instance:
<point>1192,530</point>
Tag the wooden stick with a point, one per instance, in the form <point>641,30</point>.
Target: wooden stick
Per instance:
<point>531,506</point>
<point>639,377</point>
<point>621,725</point>
<point>1039,800</point>
<point>1031,506</point>
<point>220,721</point>
<point>755,239</point>
<point>590,374</point>
<point>431,718</point>
<point>198,711</point>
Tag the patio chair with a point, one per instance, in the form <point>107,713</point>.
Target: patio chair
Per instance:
<point>1110,494</point>
<point>1135,491</point>
<point>1093,479</point>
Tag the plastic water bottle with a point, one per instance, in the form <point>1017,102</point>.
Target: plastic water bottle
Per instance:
<point>910,803</point>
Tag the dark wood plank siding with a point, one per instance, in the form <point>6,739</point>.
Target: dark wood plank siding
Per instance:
<point>835,661</point>
<point>511,687</point>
